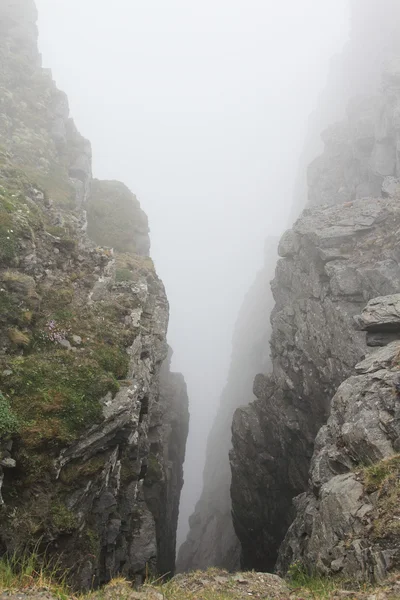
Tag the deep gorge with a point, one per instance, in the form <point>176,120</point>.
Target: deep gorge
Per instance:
<point>302,464</point>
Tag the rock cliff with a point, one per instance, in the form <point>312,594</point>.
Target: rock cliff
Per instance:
<point>93,424</point>
<point>348,523</point>
<point>337,257</point>
<point>211,540</point>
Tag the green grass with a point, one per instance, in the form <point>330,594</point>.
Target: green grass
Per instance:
<point>321,587</point>
<point>384,478</point>
<point>32,570</point>
<point>55,394</point>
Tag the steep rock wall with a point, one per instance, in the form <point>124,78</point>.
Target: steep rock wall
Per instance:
<point>211,540</point>
<point>92,426</point>
<point>347,523</point>
<point>334,260</point>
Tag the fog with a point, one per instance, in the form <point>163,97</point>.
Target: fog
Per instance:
<point>201,108</point>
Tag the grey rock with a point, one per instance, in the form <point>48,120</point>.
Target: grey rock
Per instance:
<point>65,344</point>
<point>380,359</point>
<point>375,339</point>
<point>391,187</point>
<point>382,314</point>
<point>289,244</point>
<point>363,429</point>
<point>8,463</point>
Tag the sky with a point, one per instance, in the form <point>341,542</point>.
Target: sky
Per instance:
<point>201,108</point>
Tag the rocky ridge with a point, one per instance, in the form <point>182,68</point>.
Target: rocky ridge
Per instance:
<point>92,425</point>
<point>337,257</point>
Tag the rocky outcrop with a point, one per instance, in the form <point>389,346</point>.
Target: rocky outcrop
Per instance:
<point>92,425</point>
<point>335,260</point>
<point>211,540</point>
<point>348,522</point>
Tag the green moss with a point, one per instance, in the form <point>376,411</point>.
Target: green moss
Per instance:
<point>62,519</point>
<point>113,360</point>
<point>8,419</point>
<point>91,540</point>
<point>56,394</point>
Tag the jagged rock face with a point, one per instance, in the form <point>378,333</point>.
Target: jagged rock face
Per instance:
<point>211,540</point>
<point>348,522</point>
<point>91,443</point>
<point>336,259</point>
